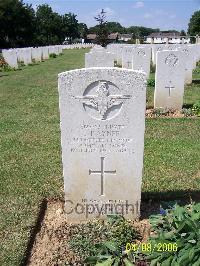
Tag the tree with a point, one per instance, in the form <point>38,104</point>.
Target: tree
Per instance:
<point>183,33</point>
<point>83,30</point>
<point>70,26</point>
<point>17,22</point>
<point>115,27</point>
<point>102,31</point>
<point>49,26</point>
<point>140,32</point>
<point>194,24</point>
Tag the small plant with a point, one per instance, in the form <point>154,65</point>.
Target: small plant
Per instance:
<point>3,65</point>
<point>52,55</point>
<point>108,253</point>
<point>151,83</point>
<point>86,237</point>
<point>187,112</point>
<point>177,237</point>
<point>196,108</point>
<point>160,111</point>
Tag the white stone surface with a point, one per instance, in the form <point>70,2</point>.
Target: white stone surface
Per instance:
<point>142,59</point>
<point>45,52</point>
<point>127,57</point>
<point>10,56</point>
<point>26,55</point>
<point>53,50</point>
<point>169,80</point>
<point>36,54</point>
<point>99,58</point>
<point>102,113</point>
<point>156,48</point>
<point>189,62</point>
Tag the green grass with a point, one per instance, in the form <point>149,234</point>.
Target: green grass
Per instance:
<point>30,149</point>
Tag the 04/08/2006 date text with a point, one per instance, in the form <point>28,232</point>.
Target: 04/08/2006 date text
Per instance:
<point>149,247</point>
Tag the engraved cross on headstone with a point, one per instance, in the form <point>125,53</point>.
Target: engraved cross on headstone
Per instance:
<point>129,63</point>
<point>170,87</point>
<point>102,172</point>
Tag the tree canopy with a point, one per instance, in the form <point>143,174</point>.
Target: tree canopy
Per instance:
<point>21,25</point>
<point>194,24</point>
<point>17,23</point>
<point>102,30</point>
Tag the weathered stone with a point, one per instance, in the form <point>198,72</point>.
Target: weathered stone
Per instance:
<point>142,59</point>
<point>99,58</point>
<point>102,112</point>
<point>169,80</point>
<point>10,56</point>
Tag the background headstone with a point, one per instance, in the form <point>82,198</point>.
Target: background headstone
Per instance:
<point>169,80</point>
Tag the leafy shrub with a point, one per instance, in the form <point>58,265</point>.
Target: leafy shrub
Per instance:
<point>113,252</point>
<point>196,70</point>
<point>108,253</point>
<point>196,108</point>
<point>179,226</point>
<point>160,111</point>
<point>151,82</point>
<point>87,236</point>
<point>187,112</point>
<point>52,55</point>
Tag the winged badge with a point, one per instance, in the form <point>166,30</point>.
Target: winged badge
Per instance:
<point>103,101</point>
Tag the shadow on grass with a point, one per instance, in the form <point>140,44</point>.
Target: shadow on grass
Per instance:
<point>187,105</point>
<point>151,201</point>
<point>33,64</point>
<point>183,195</point>
<point>196,81</point>
<point>34,231</point>
<point>3,75</point>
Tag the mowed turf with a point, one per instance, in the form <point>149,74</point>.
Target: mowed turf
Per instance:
<point>30,154</point>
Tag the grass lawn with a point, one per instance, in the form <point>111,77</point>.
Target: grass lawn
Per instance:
<point>31,158</point>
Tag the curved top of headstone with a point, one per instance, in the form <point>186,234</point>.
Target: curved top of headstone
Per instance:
<point>135,73</point>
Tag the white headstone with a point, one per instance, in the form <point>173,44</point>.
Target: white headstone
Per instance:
<point>156,48</point>
<point>27,58</point>
<point>10,56</point>
<point>102,112</point>
<point>142,59</point>
<point>37,54</point>
<point>169,80</point>
<point>45,52</point>
<point>99,58</point>
<point>127,57</point>
<point>188,62</point>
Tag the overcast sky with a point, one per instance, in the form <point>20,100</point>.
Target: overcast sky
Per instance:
<point>163,14</point>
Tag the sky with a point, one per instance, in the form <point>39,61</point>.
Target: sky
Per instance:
<point>163,14</point>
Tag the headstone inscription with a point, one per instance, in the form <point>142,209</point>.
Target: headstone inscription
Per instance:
<point>102,114</point>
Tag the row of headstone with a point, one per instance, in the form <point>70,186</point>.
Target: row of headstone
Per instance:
<point>78,45</point>
<point>174,67</point>
<point>29,54</point>
<point>103,145</point>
